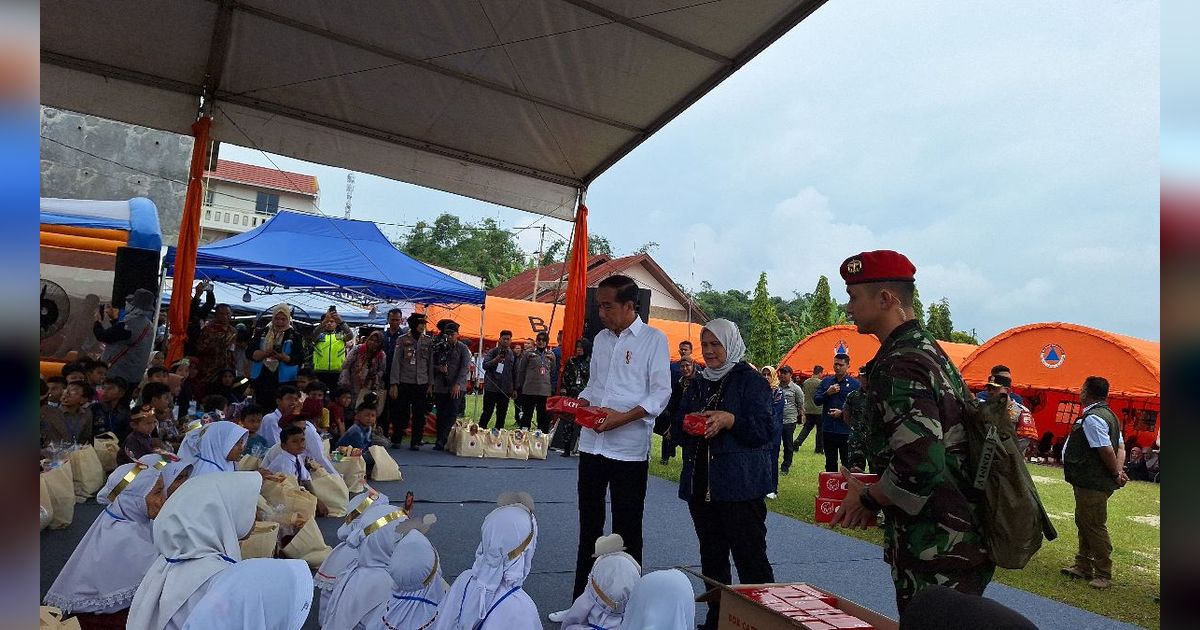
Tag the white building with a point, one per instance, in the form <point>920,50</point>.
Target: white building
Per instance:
<point>240,197</point>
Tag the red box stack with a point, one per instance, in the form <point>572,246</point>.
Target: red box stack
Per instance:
<point>831,490</point>
<point>814,609</point>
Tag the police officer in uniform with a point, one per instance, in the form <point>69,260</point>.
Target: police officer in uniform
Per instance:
<point>915,404</point>
<point>411,381</point>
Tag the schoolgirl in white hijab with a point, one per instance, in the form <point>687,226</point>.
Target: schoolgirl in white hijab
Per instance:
<point>417,587</point>
<point>488,596</point>
<point>173,472</point>
<point>602,605</point>
<point>337,559</point>
<point>261,593</point>
<point>221,445</point>
<point>107,565</point>
<point>360,589</point>
<point>196,535</point>
<point>659,601</point>
<point>344,557</point>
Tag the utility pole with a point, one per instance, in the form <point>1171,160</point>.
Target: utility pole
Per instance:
<point>349,191</point>
<point>537,265</point>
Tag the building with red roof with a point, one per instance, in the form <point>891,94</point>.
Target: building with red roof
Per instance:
<point>240,197</point>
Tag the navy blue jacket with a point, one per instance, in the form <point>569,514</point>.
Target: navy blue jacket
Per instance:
<point>356,437</point>
<point>829,424</point>
<point>740,464</point>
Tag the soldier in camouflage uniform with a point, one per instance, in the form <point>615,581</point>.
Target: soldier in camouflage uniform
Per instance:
<point>914,404</point>
<point>862,439</point>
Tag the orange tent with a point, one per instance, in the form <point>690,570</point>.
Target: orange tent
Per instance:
<point>1049,362</point>
<point>819,348</point>
<point>526,319</point>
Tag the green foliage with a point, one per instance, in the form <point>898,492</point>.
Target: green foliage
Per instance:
<point>939,324</point>
<point>598,245</point>
<point>763,345</point>
<point>962,336</point>
<point>555,253</point>
<point>733,305</point>
<point>822,310</point>
<point>918,308</point>
<point>483,249</point>
<point>646,248</point>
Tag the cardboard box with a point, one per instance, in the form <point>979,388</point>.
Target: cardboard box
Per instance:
<point>833,485</point>
<point>740,612</point>
<point>826,508</point>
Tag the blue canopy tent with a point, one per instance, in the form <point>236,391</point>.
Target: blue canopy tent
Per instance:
<point>304,253</point>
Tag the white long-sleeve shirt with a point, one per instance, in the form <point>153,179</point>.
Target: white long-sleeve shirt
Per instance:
<point>628,370</point>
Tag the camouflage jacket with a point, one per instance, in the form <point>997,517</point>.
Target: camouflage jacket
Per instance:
<point>862,439</point>
<point>915,402</point>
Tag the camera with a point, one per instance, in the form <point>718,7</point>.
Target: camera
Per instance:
<point>441,350</point>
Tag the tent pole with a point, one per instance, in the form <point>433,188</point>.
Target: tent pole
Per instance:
<point>189,240</point>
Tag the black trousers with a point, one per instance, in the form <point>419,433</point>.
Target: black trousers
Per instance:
<point>836,445</point>
<point>447,411</point>
<point>494,401</point>
<point>789,439</point>
<point>811,420</point>
<point>625,484</point>
<point>330,379</point>
<point>411,406</point>
<point>737,528</point>
<point>529,403</point>
<point>569,432</point>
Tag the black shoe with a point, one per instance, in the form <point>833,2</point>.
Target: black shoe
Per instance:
<point>414,447</point>
<point>397,445</point>
<point>818,452</point>
<point>784,471</point>
<point>438,447</point>
<point>566,454</point>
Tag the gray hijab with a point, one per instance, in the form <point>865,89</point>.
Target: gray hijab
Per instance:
<point>727,333</point>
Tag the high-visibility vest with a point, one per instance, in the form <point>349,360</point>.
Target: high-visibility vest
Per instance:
<point>329,353</point>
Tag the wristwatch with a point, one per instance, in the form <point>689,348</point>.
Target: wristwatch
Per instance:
<point>867,501</point>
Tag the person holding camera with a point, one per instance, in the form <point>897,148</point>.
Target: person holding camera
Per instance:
<point>276,352</point>
<point>534,382</point>
<point>411,382</point>
<point>127,342</point>
<point>451,364</point>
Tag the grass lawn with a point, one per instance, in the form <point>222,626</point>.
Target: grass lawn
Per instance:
<point>1133,514</point>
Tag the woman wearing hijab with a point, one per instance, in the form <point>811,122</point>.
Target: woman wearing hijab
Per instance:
<point>417,587</point>
<point>488,596</point>
<point>221,445</point>
<point>364,509</point>
<point>363,371</point>
<point>276,353</point>
<point>99,579</point>
<point>261,593</point>
<point>576,373</point>
<point>196,535</point>
<point>360,589</point>
<point>659,601</point>
<point>602,605</point>
<point>214,348</point>
<point>728,471</point>
<point>687,371</point>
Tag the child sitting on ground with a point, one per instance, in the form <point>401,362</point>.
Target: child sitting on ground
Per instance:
<point>316,390</point>
<point>139,443</point>
<point>359,435</point>
<point>158,397</point>
<point>251,420</point>
<point>340,408</point>
<point>613,575</point>
<point>293,461</point>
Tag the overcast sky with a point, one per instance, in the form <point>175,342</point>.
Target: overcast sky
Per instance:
<point>1009,148</point>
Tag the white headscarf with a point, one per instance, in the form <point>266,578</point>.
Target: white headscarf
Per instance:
<point>660,600</point>
<point>363,587</point>
<point>260,593</point>
<point>171,472</point>
<point>344,557</point>
<point>502,562</point>
<point>359,504</point>
<point>217,440</point>
<point>727,333</point>
<point>196,535</point>
<point>603,603</point>
<point>107,565</point>
<point>189,447</point>
<point>417,587</point>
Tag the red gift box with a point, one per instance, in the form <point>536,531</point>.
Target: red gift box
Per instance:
<point>811,606</point>
<point>695,424</point>
<point>826,508</point>
<point>589,417</point>
<point>845,621</point>
<point>831,485</point>
<point>804,590</point>
<point>562,404</point>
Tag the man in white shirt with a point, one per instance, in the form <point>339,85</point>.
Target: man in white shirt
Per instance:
<point>631,381</point>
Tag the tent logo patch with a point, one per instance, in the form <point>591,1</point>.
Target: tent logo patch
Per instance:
<point>841,347</point>
<point>1053,356</point>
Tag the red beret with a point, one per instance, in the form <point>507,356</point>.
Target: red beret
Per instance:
<point>882,265</point>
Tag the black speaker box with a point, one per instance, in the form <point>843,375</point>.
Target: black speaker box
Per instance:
<point>135,269</point>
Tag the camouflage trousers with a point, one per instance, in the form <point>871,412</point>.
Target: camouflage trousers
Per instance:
<point>971,581</point>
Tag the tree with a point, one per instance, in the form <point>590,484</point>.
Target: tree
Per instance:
<point>556,253</point>
<point>962,336</point>
<point>598,245</point>
<point>763,348</point>
<point>822,310</point>
<point>732,304</point>
<point>483,249</point>
<point>939,324</point>
<point>918,308</point>
<point>646,248</point>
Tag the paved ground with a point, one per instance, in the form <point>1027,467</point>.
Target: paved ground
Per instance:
<point>462,491</point>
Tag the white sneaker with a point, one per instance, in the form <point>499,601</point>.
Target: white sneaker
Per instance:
<point>772,495</point>
<point>557,617</point>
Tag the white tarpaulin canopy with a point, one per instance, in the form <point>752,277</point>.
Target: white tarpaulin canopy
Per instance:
<point>515,102</point>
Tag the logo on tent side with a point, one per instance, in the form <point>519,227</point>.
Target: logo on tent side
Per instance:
<point>1053,356</point>
<point>841,347</point>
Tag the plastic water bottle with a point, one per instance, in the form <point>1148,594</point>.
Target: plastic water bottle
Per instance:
<point>192,409</point>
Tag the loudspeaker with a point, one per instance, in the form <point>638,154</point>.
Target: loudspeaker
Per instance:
<point>591,318</point>
<point>135,269</point>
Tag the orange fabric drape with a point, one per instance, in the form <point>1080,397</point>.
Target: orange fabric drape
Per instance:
<point>189,239</point>
<point>576,286</point>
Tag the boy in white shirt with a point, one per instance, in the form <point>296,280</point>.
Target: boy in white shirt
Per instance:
<point>293,461</point>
